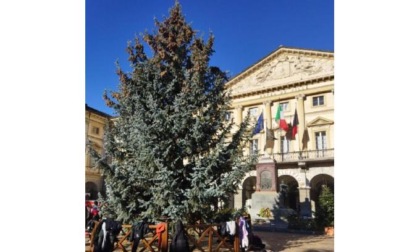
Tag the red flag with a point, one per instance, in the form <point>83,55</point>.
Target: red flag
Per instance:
<point>295,124</point>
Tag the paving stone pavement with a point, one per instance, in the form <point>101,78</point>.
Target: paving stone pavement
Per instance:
<point>296,242</point>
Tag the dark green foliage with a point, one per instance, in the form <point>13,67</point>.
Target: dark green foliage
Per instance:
<point>172,152</point>
<point>228,214</point>
<point>297,222</point>
<point>324,214</point>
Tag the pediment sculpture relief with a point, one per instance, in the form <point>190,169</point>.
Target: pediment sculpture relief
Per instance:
<point>285,69</point>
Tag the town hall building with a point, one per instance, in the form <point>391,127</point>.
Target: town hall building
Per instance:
<point>290,170</point>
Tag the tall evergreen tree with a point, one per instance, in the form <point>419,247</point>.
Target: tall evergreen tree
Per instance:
<point>172,152</point>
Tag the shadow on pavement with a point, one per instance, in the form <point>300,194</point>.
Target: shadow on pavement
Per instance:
<point>284,241</point>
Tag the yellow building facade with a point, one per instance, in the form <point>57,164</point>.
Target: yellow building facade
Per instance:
<point>95,122</point>
<point>290,171</point>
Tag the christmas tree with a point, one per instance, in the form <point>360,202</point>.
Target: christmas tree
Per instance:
<point>173,153</point>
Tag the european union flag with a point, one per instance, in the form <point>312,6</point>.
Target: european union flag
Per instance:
<point>259,126</point>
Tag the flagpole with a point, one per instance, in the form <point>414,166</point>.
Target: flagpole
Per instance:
<point>265,140</point>
<point>298,130</point>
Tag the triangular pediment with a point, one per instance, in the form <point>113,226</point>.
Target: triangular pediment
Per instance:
<point>283,67</point>
<point>319,121</point>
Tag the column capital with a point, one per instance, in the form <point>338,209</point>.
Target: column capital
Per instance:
<point>267,102</point>
<point>300,96</point>
<point>239,107</point>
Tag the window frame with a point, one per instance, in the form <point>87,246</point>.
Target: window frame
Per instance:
<point>318,99</point>
<point>228,116</point>
<point>251,112</point>
<point>95,130</point>
<point>253,143</point>
<point>324,140</point>
<point>285,106</point>
<point>283,139</point>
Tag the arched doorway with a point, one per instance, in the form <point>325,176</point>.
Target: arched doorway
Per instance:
<point>317,182</point>
<point>248,188</point>
<point>92,190</point>
<point>288,192</point>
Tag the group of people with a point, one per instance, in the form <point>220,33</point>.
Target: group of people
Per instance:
<point>106,235</point>
<point>92,212</point>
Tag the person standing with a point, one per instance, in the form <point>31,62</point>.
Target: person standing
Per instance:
<point>180,240</point>
<point>87,213</point>
<point>95,211</point>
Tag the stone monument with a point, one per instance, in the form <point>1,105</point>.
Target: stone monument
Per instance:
<point>266,187</point>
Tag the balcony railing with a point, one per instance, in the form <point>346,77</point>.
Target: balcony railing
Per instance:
<point>304,155</point>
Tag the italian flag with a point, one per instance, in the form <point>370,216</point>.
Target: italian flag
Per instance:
<point>280,118</point>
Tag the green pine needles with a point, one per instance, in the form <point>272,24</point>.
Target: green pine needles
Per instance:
<point>324,214</point>
<point>172,152</point>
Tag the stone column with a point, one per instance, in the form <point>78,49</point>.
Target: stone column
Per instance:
<point>304,192</point>
<point>301,116</point>
<point>305,201</point>
<point>238,115</point>
<point>267,113</point>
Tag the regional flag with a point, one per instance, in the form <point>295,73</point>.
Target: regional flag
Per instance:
<point>269,138</point>
<point>280,118</point>
<point>295,124</point>
<point>259,126</point>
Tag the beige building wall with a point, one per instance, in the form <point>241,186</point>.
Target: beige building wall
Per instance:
<point>95,122</point>
<point>304,80</point>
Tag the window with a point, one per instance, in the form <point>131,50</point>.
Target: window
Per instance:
<point>321,140</point>
<point>284,106</point>
<point>253,150</point>
<point>253,112</point>
<point>284,148</point>
<point>318,100</point>
<point>228,116</point>
<point>95,130</point>
<point>321,143</point>
<point>284,145</point>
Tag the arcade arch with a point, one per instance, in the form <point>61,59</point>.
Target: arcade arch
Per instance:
<point>288,192</point>
<point>91,189</point>
<point>317,182</point>
<point>248,188</point>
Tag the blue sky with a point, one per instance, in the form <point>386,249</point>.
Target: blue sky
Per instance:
<point>245,32</point>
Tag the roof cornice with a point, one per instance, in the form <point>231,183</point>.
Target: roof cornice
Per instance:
<point>285,86</point>
<point>90,109</point>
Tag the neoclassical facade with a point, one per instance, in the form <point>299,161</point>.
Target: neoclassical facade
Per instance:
<point>290,171</point>
<point>95,122</point>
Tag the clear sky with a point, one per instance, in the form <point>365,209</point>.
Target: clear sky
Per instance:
<point>245,31</point>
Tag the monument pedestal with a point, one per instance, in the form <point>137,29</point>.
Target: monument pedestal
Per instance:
<point>261,200</point>
<point>266,194</point>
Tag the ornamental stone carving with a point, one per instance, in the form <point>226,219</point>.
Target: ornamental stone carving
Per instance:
<point>284,69</point>
<point>266,180</point>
